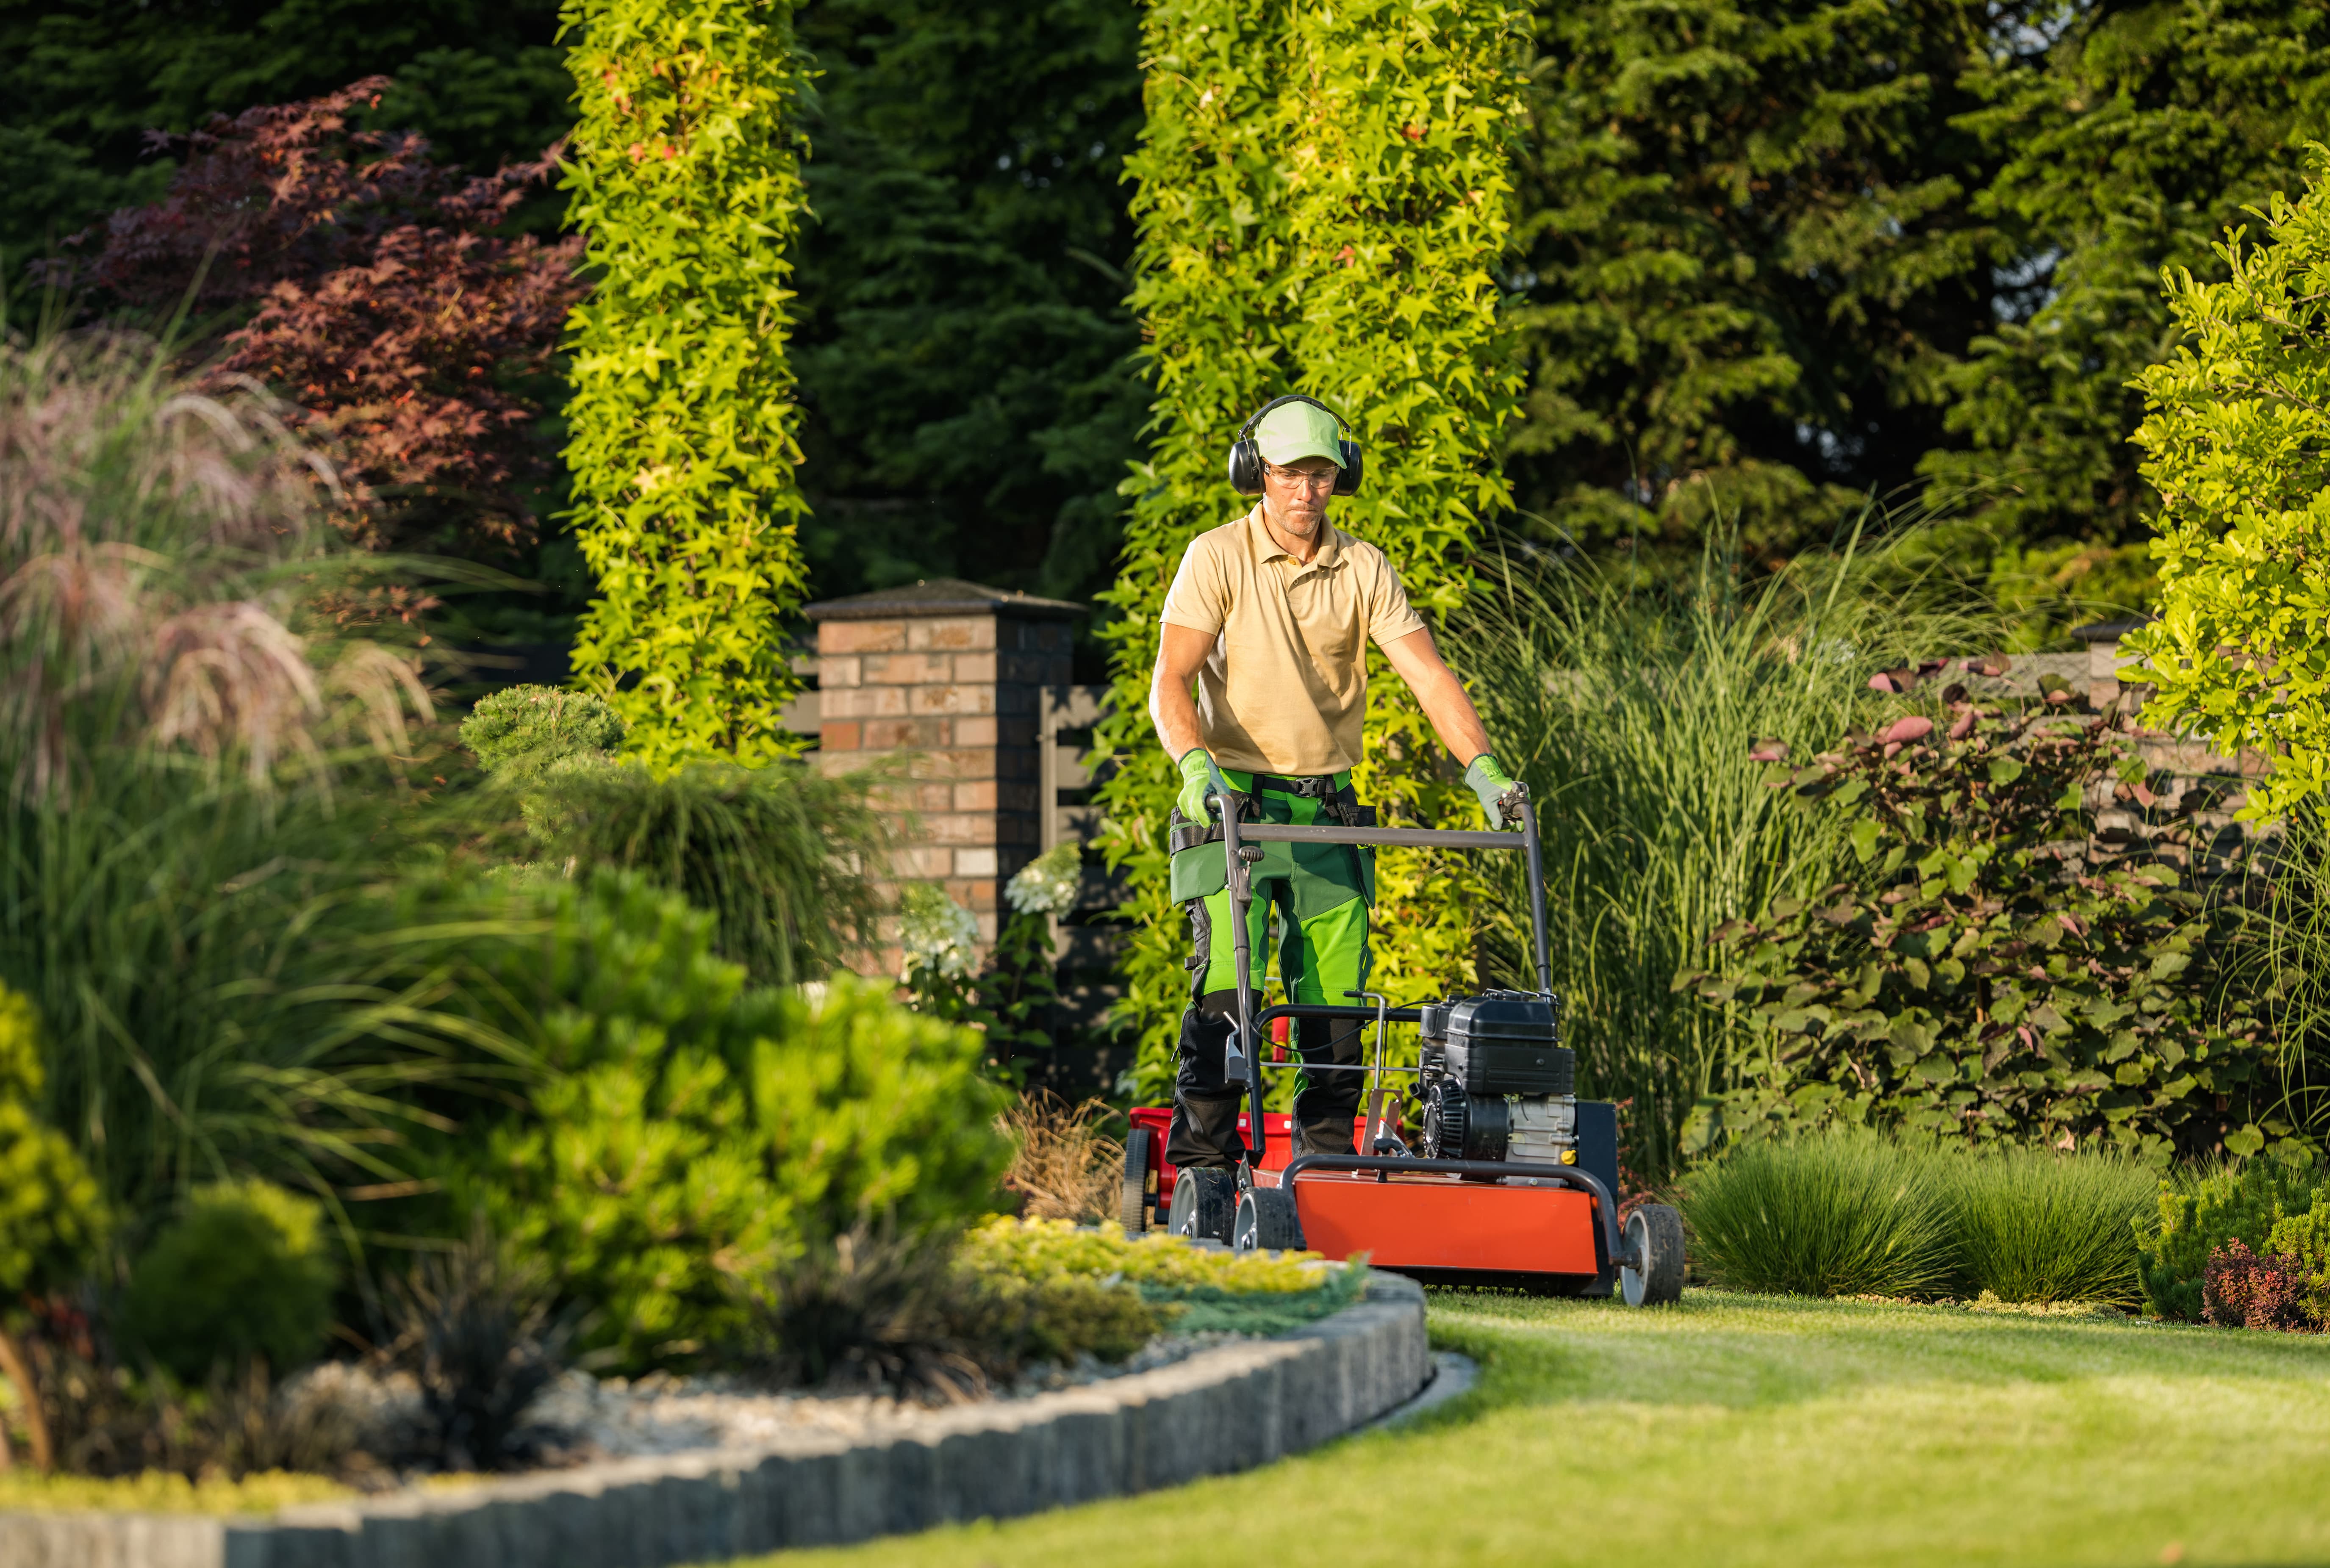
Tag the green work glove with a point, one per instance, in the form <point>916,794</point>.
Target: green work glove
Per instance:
<point>1503,795</point>
<point>1199,778</point>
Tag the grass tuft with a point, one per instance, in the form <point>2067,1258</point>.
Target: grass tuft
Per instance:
<point>2034,1226</point>
<point>1834,1215</point>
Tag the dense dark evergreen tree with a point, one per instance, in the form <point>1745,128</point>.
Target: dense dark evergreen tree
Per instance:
<point>1749,252</point>
<point>963,347</point>
<point>82,80</point>
<point>2128,140</point>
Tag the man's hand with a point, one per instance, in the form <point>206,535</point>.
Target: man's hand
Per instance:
<point>1502,797</point>
<point>1199,779</point>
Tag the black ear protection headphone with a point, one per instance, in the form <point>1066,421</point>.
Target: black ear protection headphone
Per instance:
<point>1246,458</point>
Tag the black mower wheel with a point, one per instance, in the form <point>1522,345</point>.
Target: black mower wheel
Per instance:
<point>1652,1274</point>
<point>1266,1221</point>
<point>1133,1212</point>
<point>1204,1203</point>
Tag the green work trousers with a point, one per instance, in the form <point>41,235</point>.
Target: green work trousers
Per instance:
<point>1321,893</point>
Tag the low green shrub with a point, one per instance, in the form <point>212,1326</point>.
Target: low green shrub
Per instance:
<point>2032,1225</point>
<point>2275,1204</point>
<point>1833,1214</point>
<point>674,1127</point>
<point>521,733</point>
<point>246,1269</point>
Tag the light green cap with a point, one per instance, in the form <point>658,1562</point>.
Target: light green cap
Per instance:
<point>1293,431</point>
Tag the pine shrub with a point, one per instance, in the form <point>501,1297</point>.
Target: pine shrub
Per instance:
<point>246,1269</point>
<point>675,1128</point>
<point>2253,1202</point>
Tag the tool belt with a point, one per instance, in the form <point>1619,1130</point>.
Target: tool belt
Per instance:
<point>1340,807</point>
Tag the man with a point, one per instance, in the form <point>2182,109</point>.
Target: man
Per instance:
<point>1269,618</point>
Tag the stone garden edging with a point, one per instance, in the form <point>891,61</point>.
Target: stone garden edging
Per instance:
<point>1222,1410</point>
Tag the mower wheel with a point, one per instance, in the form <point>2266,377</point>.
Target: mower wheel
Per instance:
<point>1266,1221</point>
<point>1651,1273</point>
<point>1134,1210</point>
<point>1204,1202</point>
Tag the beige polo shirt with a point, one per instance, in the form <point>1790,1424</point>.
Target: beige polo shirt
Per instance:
<point>1285,689</point>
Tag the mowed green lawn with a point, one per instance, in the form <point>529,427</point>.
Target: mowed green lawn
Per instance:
<point>1752,1430</point>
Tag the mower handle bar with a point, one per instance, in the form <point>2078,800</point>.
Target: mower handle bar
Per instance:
<point>1614,1247</point>
<point>1238,865</point>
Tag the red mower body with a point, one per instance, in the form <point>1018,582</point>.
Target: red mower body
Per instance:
<point>1442,1229</point>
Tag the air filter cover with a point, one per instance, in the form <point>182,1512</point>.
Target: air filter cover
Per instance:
<point>1509,1043</point>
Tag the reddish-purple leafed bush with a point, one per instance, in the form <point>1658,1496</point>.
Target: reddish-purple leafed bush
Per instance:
<point>2244,1290</point>
<point>377,293</point>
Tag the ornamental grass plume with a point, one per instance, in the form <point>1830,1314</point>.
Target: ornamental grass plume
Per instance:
<point>161,563</point>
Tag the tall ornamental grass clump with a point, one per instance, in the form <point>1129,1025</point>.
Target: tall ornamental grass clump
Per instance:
<point>1634,711</point>
<point>1829,1216</point>
<point>193,739</point>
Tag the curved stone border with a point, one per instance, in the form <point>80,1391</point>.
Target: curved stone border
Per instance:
<point>1226,1409</point>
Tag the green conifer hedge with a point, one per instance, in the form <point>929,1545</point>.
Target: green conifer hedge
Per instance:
<point>686,171</point>
<point>1323,192</point>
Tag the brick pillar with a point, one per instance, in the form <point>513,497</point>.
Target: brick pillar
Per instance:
<point>947,675</point>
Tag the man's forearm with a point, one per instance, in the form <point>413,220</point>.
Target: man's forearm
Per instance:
<point>1454,718</point>
<point>1175,715</point>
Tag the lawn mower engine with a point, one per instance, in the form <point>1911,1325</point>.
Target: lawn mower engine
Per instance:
<point>1497,1084</point>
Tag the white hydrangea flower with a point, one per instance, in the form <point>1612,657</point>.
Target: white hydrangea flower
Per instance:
<point>1047,883</point>
<point>934,931</point>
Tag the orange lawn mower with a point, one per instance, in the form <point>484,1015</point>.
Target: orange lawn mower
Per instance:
<point>1514,1180</point>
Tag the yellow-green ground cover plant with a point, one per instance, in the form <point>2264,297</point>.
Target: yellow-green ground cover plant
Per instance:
<point>943,1317</point>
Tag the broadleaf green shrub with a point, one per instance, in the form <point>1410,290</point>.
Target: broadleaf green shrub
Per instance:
<point>685,174</point>
<point>676,1128</point>
<point>1835,1215</point>
<point>2236,437</point>
<point>245,1270</point>
<point>1323,193</point>
<point>52,1215</point>
<point>1980,978</point>
<point>2251,1203</point>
